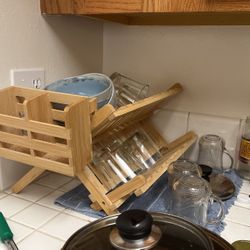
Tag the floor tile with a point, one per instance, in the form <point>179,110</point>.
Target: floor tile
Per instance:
<point>49,200</point>
<point>239,215</point>
<point>70,185</point>
<point>8,191</point>
<point>79,215</point>
<point>35,216</point>
<point>245,187</point>
<point>234,231</point>
<point>171,124</point>
<point>19,231</point>
<point>63,226</point>
<point>2,195</point>
<point>40,241</point>
<point>243,200</point>
<point>2,246</point>
<point>10,205</point>
<point>42,175</point>
<point>54,180</point>
<point>33,192</point>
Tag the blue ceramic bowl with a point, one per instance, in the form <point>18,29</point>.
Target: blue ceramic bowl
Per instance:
<point>91,85</point>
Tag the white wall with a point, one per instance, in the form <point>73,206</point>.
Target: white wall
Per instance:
<point>212,63</point>
<point>63,46</point>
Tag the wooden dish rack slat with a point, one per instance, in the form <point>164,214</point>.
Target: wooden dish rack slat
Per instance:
<point>54,131</point>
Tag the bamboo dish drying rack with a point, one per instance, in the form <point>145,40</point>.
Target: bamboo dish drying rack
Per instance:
<point>54,131</point>
<point>108,122</point>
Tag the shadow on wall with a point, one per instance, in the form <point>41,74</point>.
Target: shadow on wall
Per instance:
<point>81,41</point>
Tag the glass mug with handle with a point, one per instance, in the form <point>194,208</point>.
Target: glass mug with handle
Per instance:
<point>182,167</point>
<point>191,198</point>
<point>211,150</point>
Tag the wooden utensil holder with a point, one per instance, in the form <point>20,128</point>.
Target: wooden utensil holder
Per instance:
<point>47,130</point>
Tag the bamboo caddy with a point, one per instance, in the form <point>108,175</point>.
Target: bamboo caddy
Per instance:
<point>55,132</point>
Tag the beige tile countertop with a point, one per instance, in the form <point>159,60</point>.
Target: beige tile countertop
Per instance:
<point>39,224</point>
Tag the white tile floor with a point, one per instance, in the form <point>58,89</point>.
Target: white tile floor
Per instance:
<point>36,221</point>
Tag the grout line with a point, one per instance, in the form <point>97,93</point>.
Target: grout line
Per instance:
<point>55,188</point>
<point>31,203</point>
<point>58,212</point>
<point>24,226</point>
<point>238,223</point>
<point>53,236</point>
<point>37,229</point>
<point>91,219</point>
<point>188,121</point>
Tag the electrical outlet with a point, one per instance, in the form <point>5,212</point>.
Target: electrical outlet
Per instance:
<point>30,78</point>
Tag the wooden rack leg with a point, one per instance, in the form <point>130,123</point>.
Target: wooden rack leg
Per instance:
<point>88,180</point>
<point>27,179</point>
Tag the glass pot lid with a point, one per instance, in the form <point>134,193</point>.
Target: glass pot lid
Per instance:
<point>166,232</point>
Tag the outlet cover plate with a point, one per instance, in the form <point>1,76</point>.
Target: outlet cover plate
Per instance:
<point>29,78</point>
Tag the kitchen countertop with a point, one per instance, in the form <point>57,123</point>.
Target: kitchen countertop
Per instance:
<point>37,223</point>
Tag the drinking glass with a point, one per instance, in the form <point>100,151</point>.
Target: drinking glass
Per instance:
<point>138,153</point>
<point>110,172</point>
<point>128,90</point>
<point>191,199</point>
<point>182,167</point>
<point>211,150</point>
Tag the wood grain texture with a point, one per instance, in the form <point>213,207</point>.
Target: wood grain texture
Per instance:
<point>130,114</point>
<point>39,142</point>
<point>57,6</point>
<point>156,12</point>
<point>26,179</point>
<point>141,6</point>
<point>78,121</point>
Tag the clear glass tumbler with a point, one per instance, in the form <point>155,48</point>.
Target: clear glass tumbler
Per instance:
<point>128,90</point>
<point>138,153</point>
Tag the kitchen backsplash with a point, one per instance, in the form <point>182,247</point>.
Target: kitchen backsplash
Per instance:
<point>173,124</point>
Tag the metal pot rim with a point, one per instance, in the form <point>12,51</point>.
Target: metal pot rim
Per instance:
<point>157,217</point>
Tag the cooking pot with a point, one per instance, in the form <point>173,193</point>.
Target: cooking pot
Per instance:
<point>139,230</point>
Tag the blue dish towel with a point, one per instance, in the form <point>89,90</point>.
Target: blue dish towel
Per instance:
<point>156,199</point>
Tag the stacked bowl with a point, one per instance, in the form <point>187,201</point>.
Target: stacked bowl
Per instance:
<point>95,85</point>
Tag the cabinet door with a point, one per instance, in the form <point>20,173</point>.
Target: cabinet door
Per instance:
<point>108,6</point>
<point>57,6</point>
<point>156,12</point>
<point>142,6</point>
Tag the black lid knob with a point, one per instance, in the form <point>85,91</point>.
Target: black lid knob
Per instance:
<point>134,224</point>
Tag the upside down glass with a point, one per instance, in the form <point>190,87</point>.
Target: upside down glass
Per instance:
<point>191,198</point>
<point>211,150</point>
<point>138,152</point>
<point>119,161</point>
<point>182,167</point>
<point>128,90</point>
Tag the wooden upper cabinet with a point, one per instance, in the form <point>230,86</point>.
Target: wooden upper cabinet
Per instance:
<point>155,11</point>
